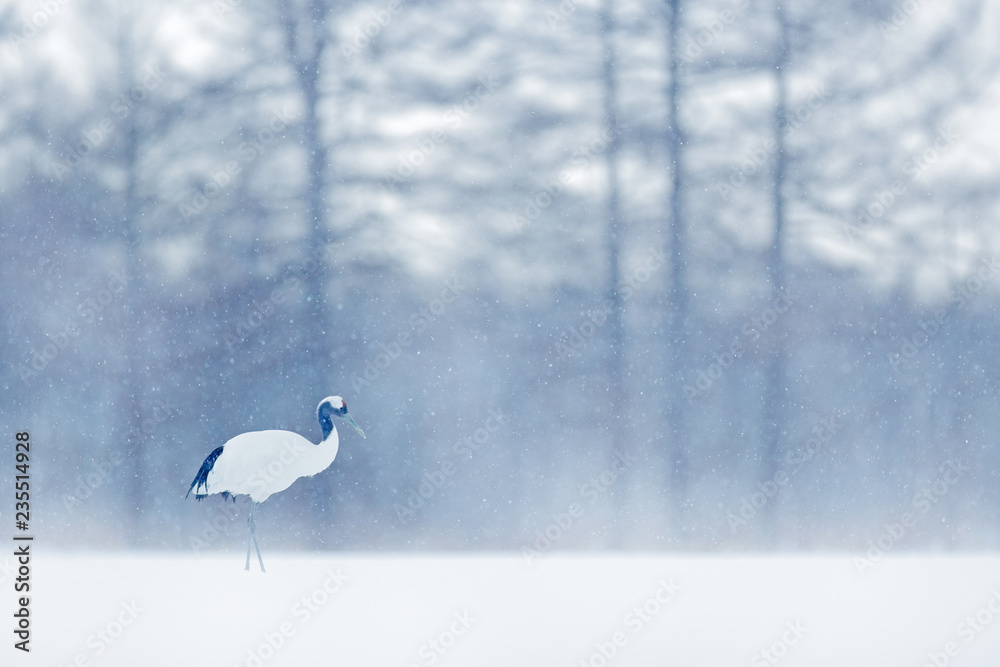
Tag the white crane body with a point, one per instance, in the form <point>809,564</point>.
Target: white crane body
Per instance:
<point>259,464</point>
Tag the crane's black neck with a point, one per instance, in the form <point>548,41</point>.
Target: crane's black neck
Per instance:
<point>325,422</point>
<point>326,419</point>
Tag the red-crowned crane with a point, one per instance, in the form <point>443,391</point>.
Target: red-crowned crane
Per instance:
<point>261,463</point>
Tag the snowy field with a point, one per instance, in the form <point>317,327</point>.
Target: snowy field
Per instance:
<point>499,610</point>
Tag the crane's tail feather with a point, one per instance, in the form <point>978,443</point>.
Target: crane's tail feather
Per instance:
<point>201,479</point>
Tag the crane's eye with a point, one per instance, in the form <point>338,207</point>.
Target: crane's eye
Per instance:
<point>343,406</point>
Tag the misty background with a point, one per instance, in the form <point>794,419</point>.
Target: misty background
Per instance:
<point>714,275</point>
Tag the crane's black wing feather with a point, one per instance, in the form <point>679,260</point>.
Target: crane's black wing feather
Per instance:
<point>201,479</point>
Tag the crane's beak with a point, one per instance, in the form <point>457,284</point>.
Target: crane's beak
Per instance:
<point>350,420</point>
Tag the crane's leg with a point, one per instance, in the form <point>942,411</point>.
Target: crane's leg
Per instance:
<point>253,536</point>
<point>249,534</point>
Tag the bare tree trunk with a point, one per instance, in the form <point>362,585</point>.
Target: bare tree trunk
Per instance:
<point>306,41</point>
<point>774,413</point>
<point>678,467</point>
<point>618,403</point>
<point>130,404</point>
<point>316,280</point>
<point>307,36</point>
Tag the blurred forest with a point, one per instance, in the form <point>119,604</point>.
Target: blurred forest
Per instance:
<point>700,275</point>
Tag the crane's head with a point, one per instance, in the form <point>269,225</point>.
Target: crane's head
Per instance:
<point>334,406</point>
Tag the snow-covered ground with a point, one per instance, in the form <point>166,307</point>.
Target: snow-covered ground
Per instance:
<point>499,610</point>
